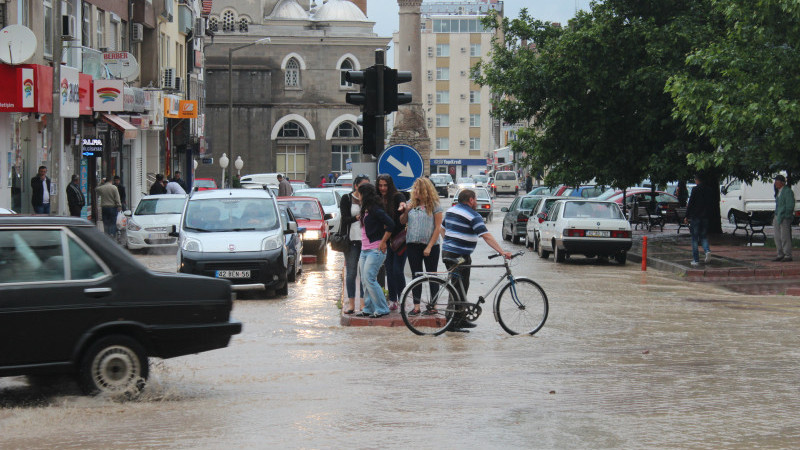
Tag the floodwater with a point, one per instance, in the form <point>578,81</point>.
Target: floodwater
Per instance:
<point>626,359</point>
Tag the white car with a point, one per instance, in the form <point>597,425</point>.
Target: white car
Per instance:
<point>535,221</point>
<point>149,225</point>
<point>330,198</point>
<point>462,183</point>
<point>588,227</point>
<point>485,206</point>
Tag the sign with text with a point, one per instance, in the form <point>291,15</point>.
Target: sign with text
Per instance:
<point>187,109</point>
<point>91,147</point>
<point>69,92</point>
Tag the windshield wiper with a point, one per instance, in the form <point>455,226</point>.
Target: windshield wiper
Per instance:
<point>202,230</point>
<point>238,229</point>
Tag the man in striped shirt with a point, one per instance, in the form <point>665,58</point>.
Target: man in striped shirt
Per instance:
<point>462,228</point>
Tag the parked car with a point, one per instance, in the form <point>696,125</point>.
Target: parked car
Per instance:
<point>309,214</point>
<point>298,184</point>
<point>543,190</point>
<point>665,203</point>
<point>506,182</point>
<point>441,181</point>
<point>537,215</point>
<point>272,188</point>
<point>204,184</point>
<point>294,243</point>
<point>148,226</point>
<point>260,178</point>
<point>345,179</point>
<point>588,227</point>
<point>587,191</point>
<point>72,301</point>
<point>235,234</point>
<point>485,206</point>
<point>330,200</point>
<point>481,180</point>
<point>516,218</point>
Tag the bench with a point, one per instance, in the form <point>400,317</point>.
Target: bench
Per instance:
<point>640,215</point>
<point>751,223</point>
<point>680,214</point>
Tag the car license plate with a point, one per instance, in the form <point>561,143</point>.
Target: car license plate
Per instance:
<point>158,236</point>
<point>233,274</point>
<point>597,233</point>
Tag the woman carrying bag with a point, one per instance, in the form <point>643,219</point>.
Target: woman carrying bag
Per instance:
<point>350,209</point>
<point>423,217</point>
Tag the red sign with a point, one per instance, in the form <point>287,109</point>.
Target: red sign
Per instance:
<point>85,91</point>
<point>37,83</point>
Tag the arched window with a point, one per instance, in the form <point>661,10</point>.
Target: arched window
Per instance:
<point>293,73</point>
<point>213,24</point>
<point>243,24</point>
<point>345,147</point>
<point>228,22</point>
<point>346,130</point>
<point>292,129</point>
<point>346,65</point>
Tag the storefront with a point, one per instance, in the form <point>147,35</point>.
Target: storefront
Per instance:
<point>180,146</point>
<point>459,167</point>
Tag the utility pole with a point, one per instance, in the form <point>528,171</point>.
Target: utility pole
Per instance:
<point>380,116</point>
<point>56,142</point>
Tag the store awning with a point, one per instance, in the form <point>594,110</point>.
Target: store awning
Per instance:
<point>128,131</point>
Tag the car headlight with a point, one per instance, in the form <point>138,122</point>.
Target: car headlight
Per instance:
<point>272,242</point>
<point>312,234</point>
<point>192,245</point>
<point>132,226</point>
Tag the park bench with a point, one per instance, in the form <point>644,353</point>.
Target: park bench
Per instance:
<point>680,213</point>
<point>640,215</point>
<point>751,223</point>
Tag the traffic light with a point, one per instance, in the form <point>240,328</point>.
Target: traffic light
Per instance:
<point>369,133</point>
<point>392,98</point>
<point>367,97</point>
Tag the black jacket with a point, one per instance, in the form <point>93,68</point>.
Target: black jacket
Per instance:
<point>75,198</point>
<point>157,188</point>
<point>701,203</point>
<point>347,218</point>
<point>394,213</point>
<point>376,223</point>
<point>37,192</point>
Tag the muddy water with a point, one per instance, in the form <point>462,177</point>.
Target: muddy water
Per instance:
<point>626,359</point>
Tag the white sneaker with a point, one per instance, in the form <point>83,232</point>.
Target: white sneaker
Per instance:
<point>695,263</point>
<point>708,256</point>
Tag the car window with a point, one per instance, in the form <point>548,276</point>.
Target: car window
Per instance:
<point>666,198</point>
<point>593,210</point>
<point>465,180</point>
<point>304,209</point>
<point>480,178</point>
<point>481,194</point>
<point>153,206</point>
<point>528,203</point>
<point>31,255</point>
<point>327,198</point>
<point>231,214</point>
<point>505,176</point>
<point>81,264</point>
<point>553,214</point>
<point>514,204</point>
<point>205,183</point>
<point>590,192</point>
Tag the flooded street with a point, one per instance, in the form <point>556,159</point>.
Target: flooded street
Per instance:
<point>626,359</point>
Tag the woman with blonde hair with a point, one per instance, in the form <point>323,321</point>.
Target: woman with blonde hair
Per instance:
<point>423,217</point>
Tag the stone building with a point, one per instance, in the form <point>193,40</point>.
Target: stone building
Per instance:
<point>289,113</point>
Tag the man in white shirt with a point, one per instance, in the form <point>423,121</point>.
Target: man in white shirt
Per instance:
<point>175,188</point>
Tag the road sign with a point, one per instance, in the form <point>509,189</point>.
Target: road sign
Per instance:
<point>403,163</point>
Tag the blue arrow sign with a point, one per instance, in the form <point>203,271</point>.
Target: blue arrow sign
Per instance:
<point>403,163</point>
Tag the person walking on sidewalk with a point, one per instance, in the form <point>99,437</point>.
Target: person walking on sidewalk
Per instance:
<point>376,228</point>
<point>110,205</point>
<point>698,212</point>
<point>782,223</point>
<point>75,197</point>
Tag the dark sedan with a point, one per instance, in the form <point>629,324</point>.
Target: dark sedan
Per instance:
<point>73,301</point>
<point>516,219</point>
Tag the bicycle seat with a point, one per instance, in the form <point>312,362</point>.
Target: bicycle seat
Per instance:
<point>454,261</point>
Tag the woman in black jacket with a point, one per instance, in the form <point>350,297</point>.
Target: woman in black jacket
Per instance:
<point>350,208</point>
<point>376,227</point>
<point>395,261</point>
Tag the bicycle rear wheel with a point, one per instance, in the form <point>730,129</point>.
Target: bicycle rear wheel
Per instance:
<point>436,302</point>
<point>521,307</point>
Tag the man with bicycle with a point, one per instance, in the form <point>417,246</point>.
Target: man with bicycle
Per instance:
<point>462,228</point>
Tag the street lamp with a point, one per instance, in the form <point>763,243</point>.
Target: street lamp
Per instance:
<point>261,41</point>
<point>223,162</point>
<point>239,164</point>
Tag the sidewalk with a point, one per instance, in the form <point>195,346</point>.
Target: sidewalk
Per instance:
<point>734,263</point>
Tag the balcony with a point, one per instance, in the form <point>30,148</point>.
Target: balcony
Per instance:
<point>185,18</point>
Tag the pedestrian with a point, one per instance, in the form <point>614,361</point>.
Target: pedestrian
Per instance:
<point>331,178</point>
<point>682,192</point>
<point>376,228</point>
<point>174,188</point>
<point>423,217</point>
<point>395,259</point>
<point>177,178</point>
<point>284,187</point>
<point>462,228</point>
<point>698,212</point>
<point>528,183</point>
<point>110,205</point>
<point>158,186</point>
<point>350,208</point>
<point>75,198</point>
<point>40,188</point>
<point>784,215</point>
<point>123,196</point>
<point>321,181</point>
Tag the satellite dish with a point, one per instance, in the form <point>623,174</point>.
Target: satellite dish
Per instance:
<point>121,65</point>
<point>17,44</point>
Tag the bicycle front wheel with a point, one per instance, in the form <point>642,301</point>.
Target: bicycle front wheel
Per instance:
<point>436,300</point>
<point>521,307</point>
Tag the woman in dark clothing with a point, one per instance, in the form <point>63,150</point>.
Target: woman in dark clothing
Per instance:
<point>350,208</point>
<point>376,227</point>
<point>395,262</point>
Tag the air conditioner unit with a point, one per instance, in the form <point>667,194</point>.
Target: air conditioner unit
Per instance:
<point>168,78</point>
<point>430,52</point>
<point>463,49</point>
<point>463,119</point>
<point>137,32</point>
<point>463,96</point>
<point>462,142</point>
<point>199,27</point>
<point>430,75</point>
<point>68,28</point>
<point>178,83</point>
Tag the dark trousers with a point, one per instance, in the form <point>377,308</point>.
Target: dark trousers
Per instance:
<point>351,268</point>
<point>110,220</point>
<point>75,211</point>
<point>44,208</point>
<point>395,278</point>
<point>416,258</point>
<point>463,274</point>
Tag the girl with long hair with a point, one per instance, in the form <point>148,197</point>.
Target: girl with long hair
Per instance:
<point>395,260</point>
<point>350,208</point>
<point>376,228</point>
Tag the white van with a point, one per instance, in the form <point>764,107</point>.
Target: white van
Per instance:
<point>260,178</point>
<point>749,197</point>
<point>505,182</point>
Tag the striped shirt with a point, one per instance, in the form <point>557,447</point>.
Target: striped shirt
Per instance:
<point>462,228</point>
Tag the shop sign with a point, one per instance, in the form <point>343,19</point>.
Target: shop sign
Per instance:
<point>458,162</point>
<point>187,109</point>
<point>140,122</point>
<point>155,101</point>
<point>138,100</point>
<point>26,88</point>
<point>69,92</point>
<point>109,95</point>
<point>127,98</point>
<point>172,106</point>
<point>91,147</point>
<point>85,93</point>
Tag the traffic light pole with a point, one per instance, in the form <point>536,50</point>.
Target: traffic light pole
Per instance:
<point>380,117</point>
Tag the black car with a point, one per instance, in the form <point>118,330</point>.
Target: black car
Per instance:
<point>516,219</point>
<point>73,301</point>
<point>441,182</point>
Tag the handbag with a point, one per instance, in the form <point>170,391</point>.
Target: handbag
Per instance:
<point>340,242</point>
<point>398,242</point>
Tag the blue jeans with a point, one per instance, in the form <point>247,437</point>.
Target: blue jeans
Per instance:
<point>110,220</point>
<point>351,268</point>
<point>44,208</point>
<point>395,278</point>
<point>370,263</point>
<point>699,230</point>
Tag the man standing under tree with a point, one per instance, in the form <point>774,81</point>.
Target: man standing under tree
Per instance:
<point>698,212</point>
<point>75,198</point>
<point>784,214</point>
<point>40,188</point>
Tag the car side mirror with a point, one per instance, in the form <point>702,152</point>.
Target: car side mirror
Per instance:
<point>329,216</point>
<point>127,213</point>
<point>174,231</point>
<point>503,209</point>
<point>291,228</point>
<point>542,217</point>
<point>724,190</point>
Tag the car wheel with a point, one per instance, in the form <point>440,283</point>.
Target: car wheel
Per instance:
<point>515,236</point>
<point>541,251</point>
<point>621,257</point>
<point>115,364</point>
<point>291,275</point>
<point>558,254</point>
<point>534,243</point>
<point>506,237</point>
<point>283,291</point>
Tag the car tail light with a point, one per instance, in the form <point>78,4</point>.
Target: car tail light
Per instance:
<point>486,206</point>
<point>522,218</point>
<point>541,220</point>
<point>620,234</point>
<point>575,233</point>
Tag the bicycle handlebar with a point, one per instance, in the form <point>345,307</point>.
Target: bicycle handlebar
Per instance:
<point>519,253</point>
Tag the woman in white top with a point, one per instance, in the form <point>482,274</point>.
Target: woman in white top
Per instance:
<point>350,208</point>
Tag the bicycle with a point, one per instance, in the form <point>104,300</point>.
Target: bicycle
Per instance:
<point>520,306</point>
